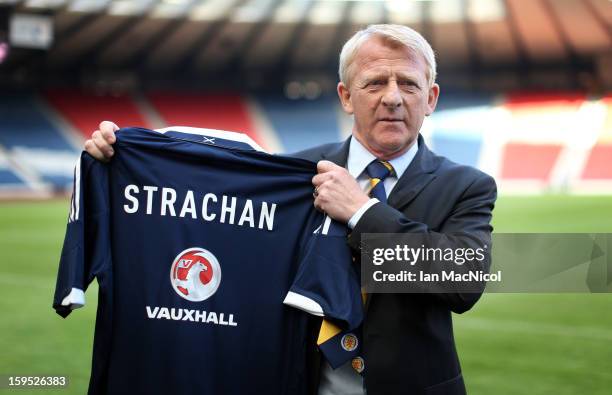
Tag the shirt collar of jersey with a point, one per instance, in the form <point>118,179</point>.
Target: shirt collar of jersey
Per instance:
<point>359,158</point>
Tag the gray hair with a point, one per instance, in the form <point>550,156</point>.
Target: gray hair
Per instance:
<point>402,35</point>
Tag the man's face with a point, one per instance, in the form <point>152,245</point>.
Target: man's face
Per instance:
<point>389,96</point>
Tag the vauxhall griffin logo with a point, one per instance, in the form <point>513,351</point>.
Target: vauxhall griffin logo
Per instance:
<point>195,274</point>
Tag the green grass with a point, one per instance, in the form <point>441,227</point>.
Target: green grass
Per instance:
<point>508,344</point>
<point>553,214</point>
<point>33,339</point>
<point>541,343</point>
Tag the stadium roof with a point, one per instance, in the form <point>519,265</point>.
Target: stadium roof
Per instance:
<point>283,38</point>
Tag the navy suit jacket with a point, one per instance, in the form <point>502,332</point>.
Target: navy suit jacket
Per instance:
<point>408,343</point>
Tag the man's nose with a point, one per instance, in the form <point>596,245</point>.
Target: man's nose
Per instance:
<point>392,97</point>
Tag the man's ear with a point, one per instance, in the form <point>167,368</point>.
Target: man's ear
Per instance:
<point>345,98</point>
<point>432,98</point>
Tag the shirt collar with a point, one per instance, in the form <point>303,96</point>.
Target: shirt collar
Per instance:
<point>359,158</point>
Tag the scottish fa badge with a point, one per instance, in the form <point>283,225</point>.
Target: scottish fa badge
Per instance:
<point>349,342</point>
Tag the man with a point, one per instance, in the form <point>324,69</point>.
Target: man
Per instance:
<point>387,82</point>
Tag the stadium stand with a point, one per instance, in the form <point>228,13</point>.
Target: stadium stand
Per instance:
<point>458,126</point>
<point>300,124</point>
<point>85,110</point>
<point>537,101</point>
<point>31,140</point>
<point>537,129</point>
<point>527,141</point>
<point>529,161</point>
<point>225,111</point>
<point>606,133</point>
<point>598,166</point>
<point>8,177</point>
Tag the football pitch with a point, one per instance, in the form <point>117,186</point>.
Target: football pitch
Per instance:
<point>508,344</point>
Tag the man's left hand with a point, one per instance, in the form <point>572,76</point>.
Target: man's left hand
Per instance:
<point>337,193</point>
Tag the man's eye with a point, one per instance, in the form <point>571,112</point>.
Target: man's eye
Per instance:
<point>377,82</point>
<point>406,83</point>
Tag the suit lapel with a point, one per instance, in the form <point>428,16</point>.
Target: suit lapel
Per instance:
<point>338,155</point>
<point>418,174</point>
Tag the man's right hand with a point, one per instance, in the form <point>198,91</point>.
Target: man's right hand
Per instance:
<point>100,144</point>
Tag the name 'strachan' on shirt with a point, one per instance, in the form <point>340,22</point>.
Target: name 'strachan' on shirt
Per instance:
<point>210,207</point>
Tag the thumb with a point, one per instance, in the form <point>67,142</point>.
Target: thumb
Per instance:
<point>108,125</point>
<point>324,166</point>
<point>108,129</point>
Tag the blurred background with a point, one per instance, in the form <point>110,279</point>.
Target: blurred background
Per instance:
<point>526,96</point>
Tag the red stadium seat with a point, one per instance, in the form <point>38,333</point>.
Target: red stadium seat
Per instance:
<point>85,111</point>
<point>528,161</point>
<point>535,100</point>
<point>599,164</point>
<point>223,111</point>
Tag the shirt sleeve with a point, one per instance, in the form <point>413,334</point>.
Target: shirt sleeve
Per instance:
<point>86,249</point>
<point>357,216</point>
<point>327,283</point>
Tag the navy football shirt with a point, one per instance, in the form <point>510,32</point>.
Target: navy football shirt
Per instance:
<point>195,245</point>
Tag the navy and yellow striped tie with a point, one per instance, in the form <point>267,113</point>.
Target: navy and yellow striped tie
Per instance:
<point>378,170</point>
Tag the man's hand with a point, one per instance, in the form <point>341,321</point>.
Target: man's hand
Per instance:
<point>337,193</point>
<point>100,144</point>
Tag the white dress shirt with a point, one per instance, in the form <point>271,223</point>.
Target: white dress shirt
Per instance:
<point>359,158</point>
